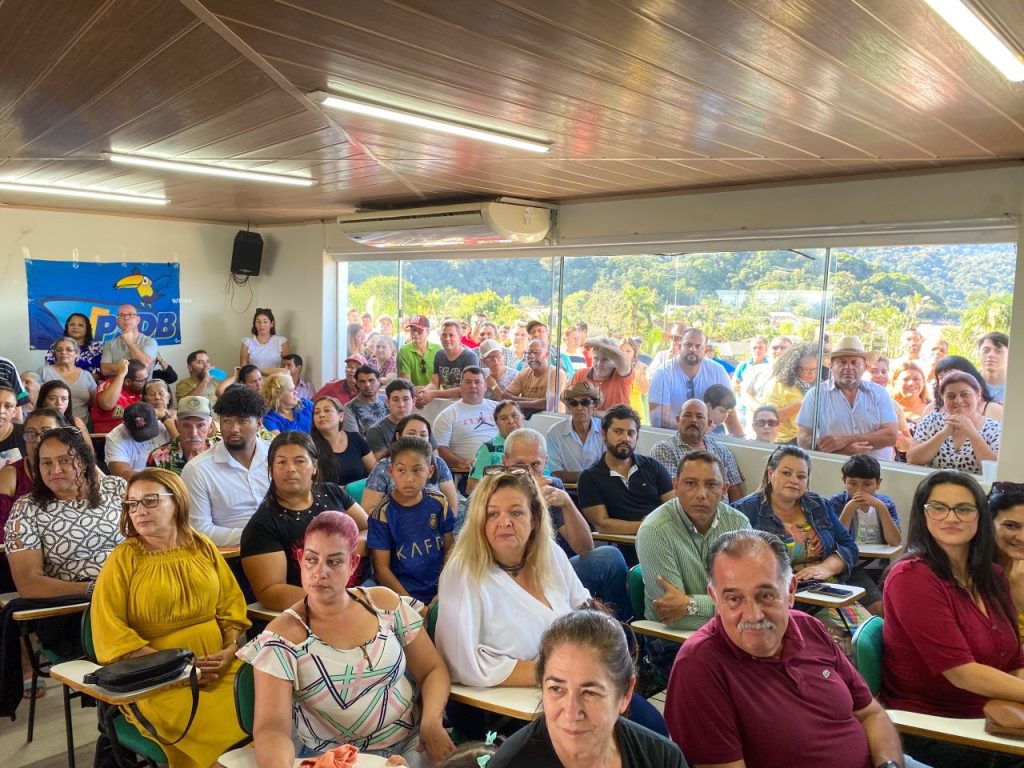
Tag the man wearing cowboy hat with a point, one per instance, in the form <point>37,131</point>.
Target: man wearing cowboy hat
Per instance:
<point>575,444</point>
<point>853,415</point>
<point>611,372</point>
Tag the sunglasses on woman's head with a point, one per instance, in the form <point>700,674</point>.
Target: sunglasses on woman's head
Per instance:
<point>501,470</point>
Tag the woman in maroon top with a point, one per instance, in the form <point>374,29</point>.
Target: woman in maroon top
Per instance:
<point>950,633</point>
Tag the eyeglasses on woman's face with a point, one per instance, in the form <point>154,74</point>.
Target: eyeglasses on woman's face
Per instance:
<point>149,501</point>
<point>937,511</point>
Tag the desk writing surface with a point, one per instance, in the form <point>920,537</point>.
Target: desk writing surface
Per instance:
<point>617,538</point>
<point>258,611</point>
<point>42,613</point>
<point>521,703</point>
<point>883,551</point>
<point>970,732</point>
<point>657,629</point>
<point>831,601</point>
<point>72,674</point>
<point>246,758</point>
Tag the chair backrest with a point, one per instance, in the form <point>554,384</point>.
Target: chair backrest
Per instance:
<point>867,652</point>
<point>636,591</point>
<point>87,645</point>
<point>245,697</point>
<point>355,489</point>
<point>432,621</point>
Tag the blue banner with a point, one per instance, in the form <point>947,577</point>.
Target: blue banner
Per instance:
<point>57,289</point>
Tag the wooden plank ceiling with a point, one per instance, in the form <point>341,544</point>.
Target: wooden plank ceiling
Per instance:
<point>634,96</point>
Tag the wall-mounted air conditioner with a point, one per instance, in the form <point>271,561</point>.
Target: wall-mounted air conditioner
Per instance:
<point>505,221</point>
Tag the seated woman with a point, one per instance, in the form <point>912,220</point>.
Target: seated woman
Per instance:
<point>344,456</point>
<point>60,534</point>
<point>167,586</point>
<point>509,418</point>
<point>792,377</point>
<point>158,394</point>
<point>272,539</point>
<point>384,359</point>
<point>586,676</point>
<point>820,547</point>
<point>379,483</point>
<point>88,352</point>
<point>80,382</point>
<point>765,422</point>
<point>263,348</point>
<point>57,395</point>
<point>951,633</point>
<point>959,436</point>
<point>12,441</point>
<point>1006,502</point>
<point>287,411</point>
<point>369,639</point>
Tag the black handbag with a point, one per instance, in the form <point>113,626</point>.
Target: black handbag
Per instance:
<point>142,672</point>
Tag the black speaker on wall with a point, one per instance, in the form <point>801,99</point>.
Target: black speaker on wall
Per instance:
<point>247,253</point>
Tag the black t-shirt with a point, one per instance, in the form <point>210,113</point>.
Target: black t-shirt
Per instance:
<point>275,529</point>
<point>14,441</point>
<point>638,748</point>
<point>646,487</point>
<point>348,465</point>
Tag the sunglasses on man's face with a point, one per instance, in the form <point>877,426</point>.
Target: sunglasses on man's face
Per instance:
<point>586,402</point>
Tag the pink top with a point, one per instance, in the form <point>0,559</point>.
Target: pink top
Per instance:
<point>933,625</point>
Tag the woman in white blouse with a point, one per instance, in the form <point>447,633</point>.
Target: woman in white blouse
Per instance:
<point>264,348</point>
<point>504,584</point>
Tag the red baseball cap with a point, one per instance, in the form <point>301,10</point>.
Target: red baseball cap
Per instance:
<point>417,321</point>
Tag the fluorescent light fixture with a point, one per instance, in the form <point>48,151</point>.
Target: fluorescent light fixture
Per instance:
<point>209,170</point>
<point>968,24</point>
<point>427,123</point>
<point>80,192</point>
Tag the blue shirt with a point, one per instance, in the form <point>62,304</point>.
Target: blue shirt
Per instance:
<point>840,500</point>
<point>301,421</point>
<point>567,453</point>
<point>415,537</point>
<point>835,539</point>
<point>870,410</point>
<point>671,387</point>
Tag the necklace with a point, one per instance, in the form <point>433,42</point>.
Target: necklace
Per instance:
<point>512,570</point>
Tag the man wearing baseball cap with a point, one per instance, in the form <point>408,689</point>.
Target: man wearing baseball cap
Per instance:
<point>345,389</point>
<point>129,444</point>
<point>194,423</point>
<point>853,415</point>
<point>416,357</point>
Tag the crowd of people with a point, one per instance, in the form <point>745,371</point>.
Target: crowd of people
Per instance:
<point>365,514</point>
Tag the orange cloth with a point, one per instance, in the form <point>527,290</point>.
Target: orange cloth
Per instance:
<point>339,757</point>
<point>615,390</point>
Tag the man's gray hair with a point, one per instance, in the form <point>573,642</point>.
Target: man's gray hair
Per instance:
<point>751,543</point>
<point>524,437</point>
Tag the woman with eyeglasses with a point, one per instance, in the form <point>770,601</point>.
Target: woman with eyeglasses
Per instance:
<point>1006,502</point>
<point>167,586</point>
<point>959,436</point>
<point>379,483</point>
<point>263,347</point>
<point>950,634</point>
<point>81,384</point>
<point>765,423</point>
<point>88,351</point>
<point>793,375</point>
<point>57,394</point>
<point>12,441</point>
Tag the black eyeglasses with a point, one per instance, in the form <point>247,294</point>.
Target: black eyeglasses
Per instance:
<point>766,422</point>
<point>31,435</point>
<point>586,402</point>
<point>937,511</point>
<point>149,501</point>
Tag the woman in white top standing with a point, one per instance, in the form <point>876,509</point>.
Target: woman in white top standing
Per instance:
<point>264,348</point>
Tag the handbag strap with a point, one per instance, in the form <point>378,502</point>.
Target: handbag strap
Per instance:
<point>193,681</point>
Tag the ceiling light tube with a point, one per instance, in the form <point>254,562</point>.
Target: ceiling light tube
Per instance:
<point>969,25</point>
<point>427,123</point>
<point>89,194</point>
<point>209,170</point>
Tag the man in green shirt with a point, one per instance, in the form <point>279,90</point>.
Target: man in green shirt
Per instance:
<point>416,358</point>
<point>673,543</point>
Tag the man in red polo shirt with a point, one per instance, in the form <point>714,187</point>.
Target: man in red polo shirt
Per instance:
<point>761,684</point>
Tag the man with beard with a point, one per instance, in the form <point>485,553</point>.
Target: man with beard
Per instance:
<point>194,423</point>
<point>686,379</point>
<point>537,387</point>
<point>622,487</point>
<point>449,363</point>
<point>227,484</point>
<point>691,435</point>
<point>853,415</point>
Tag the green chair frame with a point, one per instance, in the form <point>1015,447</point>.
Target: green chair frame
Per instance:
<point>867,652</point>
<point>636,591</point>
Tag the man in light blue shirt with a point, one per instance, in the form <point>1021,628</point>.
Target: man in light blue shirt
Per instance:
<point>854,416</point>
<point>575,444</point>
<point>686,379</point>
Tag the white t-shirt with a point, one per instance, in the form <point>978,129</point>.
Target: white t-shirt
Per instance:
<point>121,446</point>
<point>463,428</point>
<point>265,355</point>
<point>483,629</point>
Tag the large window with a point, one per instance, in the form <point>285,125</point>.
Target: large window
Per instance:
<point>770,319</point>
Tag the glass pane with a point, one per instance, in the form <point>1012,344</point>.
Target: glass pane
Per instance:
<point>916,311</point>
<point>371,305</point>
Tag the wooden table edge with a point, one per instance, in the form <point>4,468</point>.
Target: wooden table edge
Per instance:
<point>497,709</point>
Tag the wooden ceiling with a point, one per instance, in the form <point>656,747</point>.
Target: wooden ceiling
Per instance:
<point>634,96</point>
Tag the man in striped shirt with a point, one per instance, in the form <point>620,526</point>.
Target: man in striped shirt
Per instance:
<point>672,545</point>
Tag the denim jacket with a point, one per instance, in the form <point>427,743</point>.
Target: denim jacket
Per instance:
<point>835,539</point>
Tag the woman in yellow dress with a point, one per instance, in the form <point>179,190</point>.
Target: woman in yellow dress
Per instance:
<point>167,586</point>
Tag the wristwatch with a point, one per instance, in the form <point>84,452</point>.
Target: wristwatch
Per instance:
<point>691,610</point>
